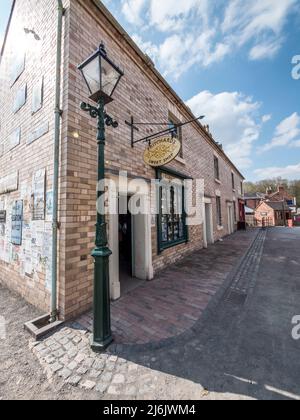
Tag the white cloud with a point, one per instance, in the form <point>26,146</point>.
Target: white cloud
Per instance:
<point>286,134</point>
<point>266,118</point>
<point>232,119</point>
<point>289,172</point>
<point>170,15</point>
<point>265,50</point>
<point>132,10</point>
<point>203,33</point>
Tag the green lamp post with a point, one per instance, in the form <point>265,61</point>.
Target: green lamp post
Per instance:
<point>102,77</point>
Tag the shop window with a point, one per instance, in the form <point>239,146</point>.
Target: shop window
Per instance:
<point>176,131</point>
<point>219,211</point>
<point>172,228</point>
<point>217,168</point>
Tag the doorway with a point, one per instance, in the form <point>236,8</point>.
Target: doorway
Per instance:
<point>230,219</point>
<point>208,231</point>
<point>131,243</point>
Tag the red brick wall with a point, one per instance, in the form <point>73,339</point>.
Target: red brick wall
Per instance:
<point>140,94</point>
<point>268,217</point>
<point>33,254</point>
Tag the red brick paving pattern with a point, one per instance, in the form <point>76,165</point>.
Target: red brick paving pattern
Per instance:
<point>175,300</point>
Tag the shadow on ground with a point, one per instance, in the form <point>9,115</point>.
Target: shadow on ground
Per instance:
<point>242,350</point>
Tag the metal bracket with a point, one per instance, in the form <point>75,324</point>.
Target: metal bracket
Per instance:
<point>133,129</point>
<point>151,137</point>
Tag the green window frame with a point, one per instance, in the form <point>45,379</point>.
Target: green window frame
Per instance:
<point>172,229</point>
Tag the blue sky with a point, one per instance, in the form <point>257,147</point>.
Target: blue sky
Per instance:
<point>232,61</point>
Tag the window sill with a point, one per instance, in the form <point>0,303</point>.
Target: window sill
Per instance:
<point>172,244</point>
<point>233,190</point>
<point>218,181</point>
<point>180,160</point>
<point>220,227</point>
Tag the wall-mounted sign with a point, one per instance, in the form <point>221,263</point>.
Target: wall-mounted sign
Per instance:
<point>17,65</point>
<point>38,188</point>
<point>39,132</point>
<point>9,183</point>
<point>2,216</point>
<point>14,139</point>
<point>16,223</point>
<point>162,151</point>
<point>37,96</point>
<point>20,99</point>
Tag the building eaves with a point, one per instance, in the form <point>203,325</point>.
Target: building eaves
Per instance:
<point>151,66</point>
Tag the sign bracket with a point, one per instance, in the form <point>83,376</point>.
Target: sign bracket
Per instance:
<point>134,127</point>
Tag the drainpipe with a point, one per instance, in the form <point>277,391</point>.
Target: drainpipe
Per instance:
<point>58,113</point>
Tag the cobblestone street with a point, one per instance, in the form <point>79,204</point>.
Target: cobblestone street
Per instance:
<point>239,347</point>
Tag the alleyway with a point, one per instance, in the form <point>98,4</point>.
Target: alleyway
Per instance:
<point>240,347</point>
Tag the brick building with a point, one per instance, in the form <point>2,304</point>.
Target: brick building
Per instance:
<point>272,213</point>
<point>26,159</point>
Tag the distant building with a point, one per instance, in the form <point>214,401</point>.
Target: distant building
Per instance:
<point>271,208</point>
<point>252,200</point>
<point>272,213</point>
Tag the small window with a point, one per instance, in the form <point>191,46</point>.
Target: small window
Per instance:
<point>232,181</point>
<point>242,188</point>
<point>219,211</point>
<point>217,168</point>
<point>176,131</point>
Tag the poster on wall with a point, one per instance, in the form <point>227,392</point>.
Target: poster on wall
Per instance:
<point>38,188</point>
<point>16,223</point>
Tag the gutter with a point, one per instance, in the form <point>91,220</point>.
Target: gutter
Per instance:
<point>58,114</point>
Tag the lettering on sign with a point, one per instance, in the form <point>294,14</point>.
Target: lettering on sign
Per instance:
<point>16,223</point>
<point>38,188</point>
<point>2,216</point>
<point>162,151</point>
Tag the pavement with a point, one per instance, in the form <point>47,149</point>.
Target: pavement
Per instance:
<point>163,309</point>
<point>239,347</point>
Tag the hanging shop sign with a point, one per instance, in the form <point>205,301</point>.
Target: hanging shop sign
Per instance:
<point>16,223</point>
<point>162,151</point>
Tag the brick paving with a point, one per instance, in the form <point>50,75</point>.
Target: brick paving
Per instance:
<point>176,299</point>
<point>167,307</point>
<point>233,352</point>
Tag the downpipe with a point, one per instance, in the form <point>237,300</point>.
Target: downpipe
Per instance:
<point>58,113</point>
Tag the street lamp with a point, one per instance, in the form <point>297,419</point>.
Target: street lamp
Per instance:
<point>102,77</point>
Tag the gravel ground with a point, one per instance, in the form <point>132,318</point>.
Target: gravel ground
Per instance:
<point>21,376</point>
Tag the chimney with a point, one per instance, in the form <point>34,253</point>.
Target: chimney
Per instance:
<point>269,191</point>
